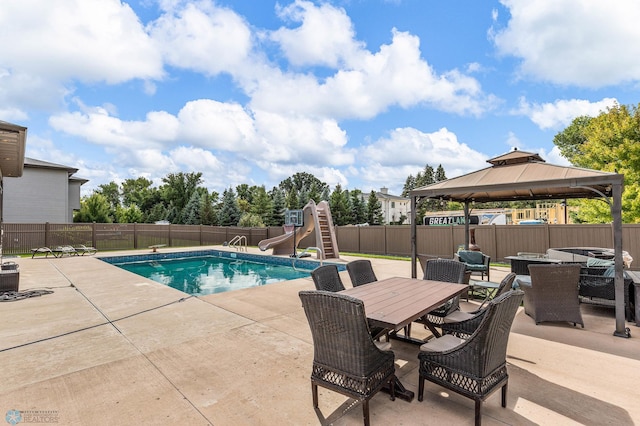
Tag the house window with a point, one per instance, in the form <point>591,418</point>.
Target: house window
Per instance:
<point>393,204</point>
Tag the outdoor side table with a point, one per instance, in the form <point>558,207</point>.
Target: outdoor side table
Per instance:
<point>486,288</point>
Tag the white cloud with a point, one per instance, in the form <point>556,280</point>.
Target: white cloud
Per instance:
<point>573,42</point>
<point>407,151</point>
<point>561,113</point>
<point>325,37</point>
<point>202,37</point>
<point>89,40</point>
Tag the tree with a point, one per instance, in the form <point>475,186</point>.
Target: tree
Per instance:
<point>208,214</point>
<point>277,213</point>
<point>251,220</point>
<point>302,187</point>
<point>94,209</point>
<point>339,205</point>
<point>191,212</point>
<point>229,214</point>
<point>111,193</point>
<point>358,207</point>
<point>409,184</point>
<point>262,204</point>
<point>609,142</point>
<point>178,189</point>
<point>374,210</point>
<point>131,214</point>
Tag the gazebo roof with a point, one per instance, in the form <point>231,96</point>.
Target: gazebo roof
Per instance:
<point>520,175</point>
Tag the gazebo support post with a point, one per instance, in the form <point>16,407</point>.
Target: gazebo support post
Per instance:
<point>467,219</point>
<point>616,213</point>
<point>414,247</point>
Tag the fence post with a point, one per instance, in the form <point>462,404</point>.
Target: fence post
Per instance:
<point>94,239</point>
<point>170,245</point>
<point>135,235</point>
<point>46,234</point>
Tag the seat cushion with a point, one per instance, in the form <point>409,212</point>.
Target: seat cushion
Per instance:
<point>471,257</point>
<point>457,316</point>
<point>446,342</point>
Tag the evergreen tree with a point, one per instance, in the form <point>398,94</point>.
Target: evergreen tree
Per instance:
<point>358,207</point>
<point>338,203</point>
<point>277,214</point>
<point>292,200</point>
<point>229,214</point>
<point>374,210</point>
<point>409,184</point>
<point>208,213</point>
<point>191,212</point>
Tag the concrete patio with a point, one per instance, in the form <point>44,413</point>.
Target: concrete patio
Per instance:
<point>109,347</point>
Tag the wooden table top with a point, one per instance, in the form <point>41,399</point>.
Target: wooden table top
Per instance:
<point>395,302</point>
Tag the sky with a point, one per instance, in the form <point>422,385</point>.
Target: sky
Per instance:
<point>361,93</point>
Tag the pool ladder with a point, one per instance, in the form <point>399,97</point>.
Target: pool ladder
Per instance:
<point>237,243</point>
<point>298,256</point>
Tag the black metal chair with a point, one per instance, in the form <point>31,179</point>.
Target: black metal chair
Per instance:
<point>361,272</point>
<point>345,357</point>
<point>475,367</point>
<point>327,278</point>
<point>463,324</point>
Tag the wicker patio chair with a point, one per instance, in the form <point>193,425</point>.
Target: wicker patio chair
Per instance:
<point>327,278</point>
<point>441,270</point>
<point>445,270</point>
<point>475,367</point>
<point>345,357</point>
<point>361,272</point>
<point>553,294</point>
<point>476,262</point>
<point>463,324</point>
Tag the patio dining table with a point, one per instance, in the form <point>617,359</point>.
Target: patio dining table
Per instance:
<point>394,303</point>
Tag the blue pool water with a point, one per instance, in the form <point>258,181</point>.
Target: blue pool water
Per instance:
<point>213,271</point>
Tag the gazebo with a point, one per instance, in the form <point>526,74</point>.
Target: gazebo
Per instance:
<point>520,175</point>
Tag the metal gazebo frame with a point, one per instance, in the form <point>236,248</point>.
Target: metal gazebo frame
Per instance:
<point>520,175</point>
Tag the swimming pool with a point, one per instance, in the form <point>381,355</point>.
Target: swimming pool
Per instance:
<point>213,271</point>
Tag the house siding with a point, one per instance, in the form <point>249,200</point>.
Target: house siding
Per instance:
<point>40,195</point>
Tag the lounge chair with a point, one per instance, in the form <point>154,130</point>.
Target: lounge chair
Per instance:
<point>82,249</point>
<point>46,251</point>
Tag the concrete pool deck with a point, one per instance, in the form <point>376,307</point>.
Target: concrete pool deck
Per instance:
<point>108,347</point>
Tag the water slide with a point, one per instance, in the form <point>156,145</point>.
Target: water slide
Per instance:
<point>317,218</point>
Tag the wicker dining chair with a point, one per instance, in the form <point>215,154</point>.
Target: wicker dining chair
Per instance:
<point>463,324</point>
<point>445,270</point>
<point>327,278</point>
<point>553,294</point>
<point>475,367</point>
<point>361,272</point>
<point>345,357</point>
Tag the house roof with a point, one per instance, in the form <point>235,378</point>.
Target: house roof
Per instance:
<point>39,164</point>
<point>12,146</point>
<point>520,175</point>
